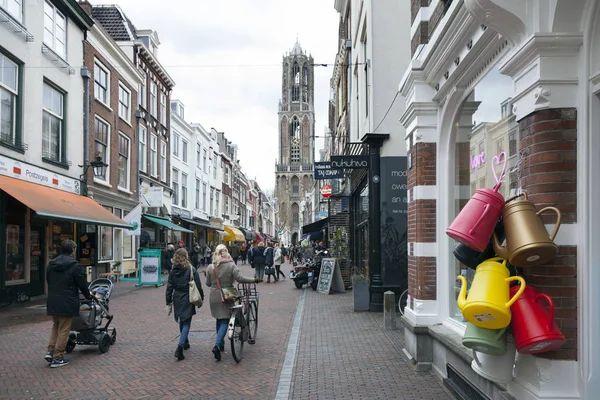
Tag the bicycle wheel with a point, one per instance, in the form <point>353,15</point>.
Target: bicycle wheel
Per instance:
<point>237,339</point>
<point>252,318</point>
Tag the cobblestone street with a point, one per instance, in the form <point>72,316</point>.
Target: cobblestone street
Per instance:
<point>340,355</point>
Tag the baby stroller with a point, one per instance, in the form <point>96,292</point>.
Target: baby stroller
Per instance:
<point>87,327</point>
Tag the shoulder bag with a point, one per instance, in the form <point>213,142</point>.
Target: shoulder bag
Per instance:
<point>195,297</point>
<point>229,293</point>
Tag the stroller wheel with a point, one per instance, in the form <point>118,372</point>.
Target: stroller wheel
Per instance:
<point>113,336</point>
<point>104,342</point>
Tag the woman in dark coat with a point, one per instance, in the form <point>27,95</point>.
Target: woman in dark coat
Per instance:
<point>178,297</point>
<point>258,260</point>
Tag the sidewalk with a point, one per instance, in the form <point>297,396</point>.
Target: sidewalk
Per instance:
<point>340,354</point>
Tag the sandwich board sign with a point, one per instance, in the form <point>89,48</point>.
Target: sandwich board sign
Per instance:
<point>330,277</point>
<point>149,261</point>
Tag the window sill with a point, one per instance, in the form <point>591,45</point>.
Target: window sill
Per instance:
<point>102,183</point>
<point>17,25</point>
<point>19,148</point>
<point>57,59</point>
<point>124,190</point>
<point>15,282</point>
<point>127,122</point>
<point>104,104</point>
<point>60,164</point>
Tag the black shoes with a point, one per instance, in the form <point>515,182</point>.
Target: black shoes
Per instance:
<point>179,353</point>
<point>186,345</point>
<point>217,352</point>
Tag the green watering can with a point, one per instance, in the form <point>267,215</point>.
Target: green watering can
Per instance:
<point>488,341</point>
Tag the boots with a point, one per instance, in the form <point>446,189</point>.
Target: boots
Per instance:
<point>179,353</point>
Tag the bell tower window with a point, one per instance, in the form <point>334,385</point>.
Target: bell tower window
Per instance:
<point>295,141</point>
<point>305,84</point>
<point>296,87</point>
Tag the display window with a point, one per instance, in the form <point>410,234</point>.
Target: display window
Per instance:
<point>15,241</point>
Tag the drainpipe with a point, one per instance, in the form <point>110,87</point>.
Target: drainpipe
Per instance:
<point>86,75</point>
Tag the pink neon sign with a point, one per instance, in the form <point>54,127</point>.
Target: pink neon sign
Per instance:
<point>477,160</point>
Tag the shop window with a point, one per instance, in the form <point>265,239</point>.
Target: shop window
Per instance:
<point>128,243</point>
<point>106,241</point>
<point>61,230</point>
<point>15,240</point>
<point>492,132</point>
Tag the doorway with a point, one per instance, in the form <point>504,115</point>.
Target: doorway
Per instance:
<point>37,261</point>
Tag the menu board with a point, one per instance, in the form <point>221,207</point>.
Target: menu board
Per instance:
<point>149,272</point>
<point>330,277</point>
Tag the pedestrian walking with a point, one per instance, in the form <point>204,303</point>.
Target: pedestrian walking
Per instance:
<point>178,297</point>
<point>278,258</point>
<point>65,280</point>
<point>207,254</point>
<point>227,273</point>
<point>244,253</point>
<point>167,258</point>
<point>234,250</point>
<point>257,259</point>
<point>196,256</point>
<point>269,269</point>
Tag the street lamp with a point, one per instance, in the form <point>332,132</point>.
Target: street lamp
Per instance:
<point>99,168</point>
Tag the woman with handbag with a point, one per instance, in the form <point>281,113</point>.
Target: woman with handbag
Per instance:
<point>180,284</point>
<point>258,260</point>
<point>220,276</point>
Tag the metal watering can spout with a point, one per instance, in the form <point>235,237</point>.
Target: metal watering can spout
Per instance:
<point>462,295</point>
<point>500,250</point>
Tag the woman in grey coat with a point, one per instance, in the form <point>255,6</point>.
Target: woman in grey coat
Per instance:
<point>178,297</point>
<point>228,273</point>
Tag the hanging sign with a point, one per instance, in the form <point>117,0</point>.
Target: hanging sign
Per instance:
<point>323,170</point>
<point>326,191</point>
<point>350,162</point>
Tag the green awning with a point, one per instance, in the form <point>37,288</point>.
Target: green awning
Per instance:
<point>166,223</point>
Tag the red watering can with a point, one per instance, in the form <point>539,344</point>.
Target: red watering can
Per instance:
<point>475,223</point>
<point>533,327</point>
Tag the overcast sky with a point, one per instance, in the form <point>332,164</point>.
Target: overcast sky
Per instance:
<point>225,57</point>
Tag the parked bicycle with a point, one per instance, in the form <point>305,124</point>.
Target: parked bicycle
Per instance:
<point>243,323</point>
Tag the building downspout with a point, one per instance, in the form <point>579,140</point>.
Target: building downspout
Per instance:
<point>86,75</point>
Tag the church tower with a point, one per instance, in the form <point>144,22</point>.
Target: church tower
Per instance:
<point>294,169</point>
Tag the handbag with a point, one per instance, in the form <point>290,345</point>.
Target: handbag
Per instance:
<point>195,297</point>
<point>228,293</point>
<point>269,270</point>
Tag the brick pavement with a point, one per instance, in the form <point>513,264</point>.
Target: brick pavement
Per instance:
<point>341,363</point>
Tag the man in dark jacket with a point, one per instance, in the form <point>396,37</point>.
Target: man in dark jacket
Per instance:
<point>65,279</point>
<point>234,251</point>
<point>167,258</point>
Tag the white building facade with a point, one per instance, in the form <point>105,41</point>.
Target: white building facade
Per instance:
<point>544,56</point>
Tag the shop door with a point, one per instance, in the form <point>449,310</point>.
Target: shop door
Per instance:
<point>37,261</point>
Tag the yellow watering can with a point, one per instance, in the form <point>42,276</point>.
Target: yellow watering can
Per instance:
<point>488,303</point>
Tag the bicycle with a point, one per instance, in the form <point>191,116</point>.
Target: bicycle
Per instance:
<point>243,323</point>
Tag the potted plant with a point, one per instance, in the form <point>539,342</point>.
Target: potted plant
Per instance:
<point>360,288</point>
<point>115,266</point>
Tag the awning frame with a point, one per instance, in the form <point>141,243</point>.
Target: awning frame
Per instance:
<point>166,223</point>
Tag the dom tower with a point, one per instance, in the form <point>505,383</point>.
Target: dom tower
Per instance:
<point>294,169</point>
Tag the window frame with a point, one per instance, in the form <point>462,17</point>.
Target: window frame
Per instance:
<point>163,108</point>
<point>175,185</point>
<point>142,90</point>
<point>106,157</point>
<point>204,196</point>
<point>143,159</point>
<point>153,98</point>
<point>175,139</point>
<point>163,161</point>
<point>197,195</point>
<point>128,162</point>
<point>61,159</point>
<point>4,6</point>
<point>153,155</point>
<point>97,83</point>
<point>198,155</point>
<point>184,150</point>
<point>52,46</point>
<point>124,90</point>
<point>184,193</point>
<point>14,139</point>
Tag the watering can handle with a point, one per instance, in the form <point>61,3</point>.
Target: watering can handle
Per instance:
<point>524,193</point>
<point>485,211</point>
<point>557,225</point>
<point>550,307</point>
<point>501,332</point>
<point>519,292</point>
<point>476,358</point>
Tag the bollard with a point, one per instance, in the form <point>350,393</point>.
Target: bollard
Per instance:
<point>389,310</point>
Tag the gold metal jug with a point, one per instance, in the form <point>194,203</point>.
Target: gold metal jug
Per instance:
<point>527,241</point>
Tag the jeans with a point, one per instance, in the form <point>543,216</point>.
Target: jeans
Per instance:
<point>221,331</point>
<point>59,335</point>
<point>235,259</point>
<point>278,272</point>
<point>184,329</point>
<point>259,271</point>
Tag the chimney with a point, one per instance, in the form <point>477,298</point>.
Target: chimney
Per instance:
<point>86,6</point>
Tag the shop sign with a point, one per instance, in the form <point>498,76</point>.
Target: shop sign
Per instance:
<point>31,173</point>
<point>323,170</point>
<point>175,211</point>
<point>152,196</point>
<point>349,162</point>
<point>326,191</point>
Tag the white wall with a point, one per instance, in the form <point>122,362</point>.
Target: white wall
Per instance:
<point>186,133</point>
<point>37,68</point>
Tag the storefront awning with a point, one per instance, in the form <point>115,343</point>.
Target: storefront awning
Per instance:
<point>248,234</point>
<point>315,226</point>
<point>52,203</point>
<point>233,234</point>
<point>198,223</point>
<point>259,237</point>
<point>166,223</point>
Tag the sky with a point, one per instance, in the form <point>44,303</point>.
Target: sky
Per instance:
<point>226,59</point>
